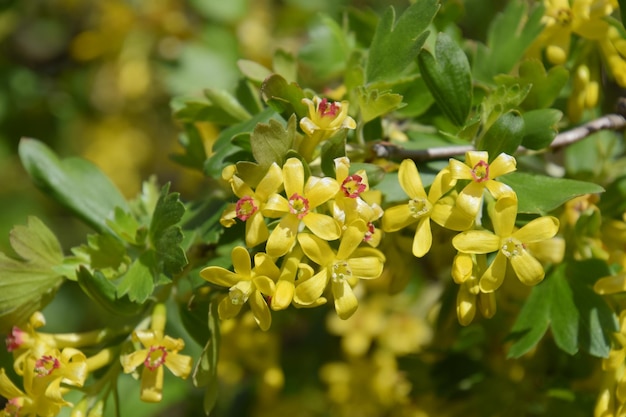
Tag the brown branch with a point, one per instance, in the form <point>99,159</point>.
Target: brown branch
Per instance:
<point>613,121</point>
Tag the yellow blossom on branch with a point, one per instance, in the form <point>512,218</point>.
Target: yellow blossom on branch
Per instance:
<point>511,245</point>
<point>158,351</point>
<point>299,207</point>
<point>246,284</point>
<point>481,174</point>
<point>341,268</point>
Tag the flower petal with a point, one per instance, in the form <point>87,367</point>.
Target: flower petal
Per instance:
<point>283,295</point>
<point>539,229</point>
<point>499,189</point>
<point>283,236</point>
<point>270,183</point>
<point>256,230</point>
<point>423,239</point>
<point>322,225</point>
<point>504,215</point>
<point>503,164</point>
<point>487,304</point>
<point>346,302</point>
<point>320,190</point>
<point>410,179</point>
<point>351,239</point>
<point>241,261</point>
<point>366,267</point>
<point>264,266</point>
<point>465,305</point>
<point>179,365</point>
<point>442,183</point>
<point>459,170</point>
<point>264,285</point>
<point>219,276</point>
<point>471,198</point>
<point>476,241</point>
<point>494,275</point>
<point>261,311</point>
<point>397,218</point>
<point>293,176</point>
<point>316,249</point>
<point>227,310</point>
<point>611,284</point>
<point>527,268</point>
<point>307,292</point>
<point>152,385</point>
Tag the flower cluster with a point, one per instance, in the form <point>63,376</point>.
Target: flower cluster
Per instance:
<point>582,23</point>
<point>309,237</point>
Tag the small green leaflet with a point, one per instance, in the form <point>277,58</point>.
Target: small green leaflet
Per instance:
<point>448,77</point>
<point>374,103</point>
<point>270,142</point>
<point>396,44</point>
<point>28,284</point>
<point>165,234</point>
<point>565,302</point>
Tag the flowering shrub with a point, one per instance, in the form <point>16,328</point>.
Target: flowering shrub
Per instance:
<point>350,233</point>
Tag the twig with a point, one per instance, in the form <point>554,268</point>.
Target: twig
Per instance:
<point>613,121</point>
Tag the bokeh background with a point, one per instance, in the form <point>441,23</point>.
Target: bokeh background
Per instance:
<point>96,78</point>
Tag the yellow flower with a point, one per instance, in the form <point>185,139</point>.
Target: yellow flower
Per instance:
<point>158,351</point>
<point>466,271</point>
<point>302,199</point>
<point>291,269</point>
<point>562,18</point>
<point>511,245</point>
<point>324,119</point>
<point>246,285</point>
<point>341,268</point>
<point>350,203</point>
<point>482,175</point>
<point>421,208</point>
<point>249,207</point>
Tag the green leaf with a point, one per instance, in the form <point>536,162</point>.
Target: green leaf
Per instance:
<point>374,103</point>
<point>254,71</point>
<point>28,283</point>
<point>532,322</point>
<point>192,142</point>
<point>126,226</point>
<point>327,50</point>
<point>270,142</point>
<point>225,152</point>
<point>613,202</point>
<point>540,128</point>
<point>510,34</point>
<point>75,183</point>
<point>448,77</point>
<point>565,301</point>
<point>139,281</point>
<point>102,291</point>
<point>225,101</point>
<point>165,233</point>
<point>541,194</point>
<point>105,253</point>
<point>396,44</point>
<point>545,86</point>
<point>502,100</point>
<point>285,64</point>
<point>285,98</point>
<point>505,135</point>
<point>199,111</point>
<point>334,147</point>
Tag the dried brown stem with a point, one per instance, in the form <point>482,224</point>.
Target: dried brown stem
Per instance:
<point>613,121</point>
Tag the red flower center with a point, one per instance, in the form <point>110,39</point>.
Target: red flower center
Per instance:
<point>45,365</point>
<point>327,109</point>
<point>298,205</point>
<point>480,172</point>
<point>155,358</point>
<point>352,186</point>
<point>245,208</point>
<point>370,232</point>
<point>15,339</point>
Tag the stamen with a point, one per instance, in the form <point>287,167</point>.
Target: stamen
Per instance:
<point>480,172</point>
<point>245,208</point>
<point>298,205</point>
<point>326,109</point>
<point>340,271</point>
<point>370,232</point>
<point>13,407</point>
<point>15,339</point>
<point>353,185</point>
<point>419,207</point>
<point>45,365</point>
<point>155,358</point>
<point>564,16</point>
<point>513,247</point>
